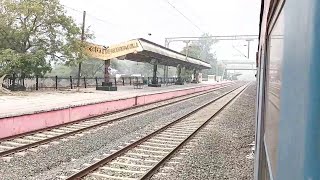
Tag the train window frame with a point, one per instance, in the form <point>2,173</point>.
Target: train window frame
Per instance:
<point>259,161</point>
<point>274,17</point>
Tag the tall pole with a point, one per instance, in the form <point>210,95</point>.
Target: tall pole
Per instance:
<point>217,68</point>
<point>82,39</point>
<point>249,40</point>
<point>248,49</point>
<point>166,68</point>
<point>187,50</point>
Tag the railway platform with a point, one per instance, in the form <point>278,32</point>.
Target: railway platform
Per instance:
<point>172,139</point>
<point>38,110</point>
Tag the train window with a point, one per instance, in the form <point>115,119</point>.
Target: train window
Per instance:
<point>275,56</point>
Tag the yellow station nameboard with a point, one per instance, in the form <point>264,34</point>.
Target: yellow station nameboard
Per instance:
<point>114,51</point>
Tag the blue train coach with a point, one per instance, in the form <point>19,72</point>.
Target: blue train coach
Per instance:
<point>288,91</point>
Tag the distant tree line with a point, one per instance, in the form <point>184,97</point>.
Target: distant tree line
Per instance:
<point>202,49</point>
<point>95,68</point>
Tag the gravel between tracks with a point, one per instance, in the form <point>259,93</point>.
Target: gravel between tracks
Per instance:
<point>58,159</point>
<point>222,147</point>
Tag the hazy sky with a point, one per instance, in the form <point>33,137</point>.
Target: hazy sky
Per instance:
<point>125,19</point>
<point>114,21</point>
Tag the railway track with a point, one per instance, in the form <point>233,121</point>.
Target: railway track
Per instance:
<point>31,140</point>
<point>142,158</point>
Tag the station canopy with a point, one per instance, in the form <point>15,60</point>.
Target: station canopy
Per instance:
<point>142,50</point>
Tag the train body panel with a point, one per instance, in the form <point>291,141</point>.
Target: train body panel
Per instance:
<point>288,103</point>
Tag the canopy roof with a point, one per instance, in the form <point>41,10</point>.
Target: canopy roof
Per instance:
<point>142,50</point>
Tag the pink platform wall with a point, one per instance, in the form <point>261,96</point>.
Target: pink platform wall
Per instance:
<point>16,125</point>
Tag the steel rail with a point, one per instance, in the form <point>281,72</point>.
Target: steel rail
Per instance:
<point>97,116</point>
<point>38,143</point>
<point>168,156</point>
<point>116,154</point>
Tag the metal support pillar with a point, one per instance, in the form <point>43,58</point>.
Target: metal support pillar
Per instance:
<point>165,74</point>
<point>107,84</point>
<point>154,81</point>
<point>106,71</point>
<point>154,77</point>
<point>179,81</point>
<point>179,72</point>
<point>195,76</point>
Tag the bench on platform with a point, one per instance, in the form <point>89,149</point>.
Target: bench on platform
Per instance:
<point>138,85</point>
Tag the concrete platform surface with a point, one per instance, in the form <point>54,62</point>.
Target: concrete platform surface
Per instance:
<point>39,110</point>
<point>35,102</point>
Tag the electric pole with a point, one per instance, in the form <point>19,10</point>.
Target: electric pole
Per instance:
<point>249,40</point>
<point>187,48</point>
<point>166,68</point>
<point>82,39</point>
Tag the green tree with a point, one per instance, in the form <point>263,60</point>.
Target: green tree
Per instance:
<point>90,68</point>
<point>34,34</point>
<point>202,49</point>
<point>130,67</point>
<point>60,70</point>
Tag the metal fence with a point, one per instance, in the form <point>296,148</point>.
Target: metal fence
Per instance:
<point>17,83</point>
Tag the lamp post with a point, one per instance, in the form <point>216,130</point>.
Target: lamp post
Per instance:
<point>187,48</point>
<point>248,40</point>
<point>166,68</point>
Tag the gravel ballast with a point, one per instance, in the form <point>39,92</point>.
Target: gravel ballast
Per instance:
<point>58,159</point>
<point>221,150</point>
